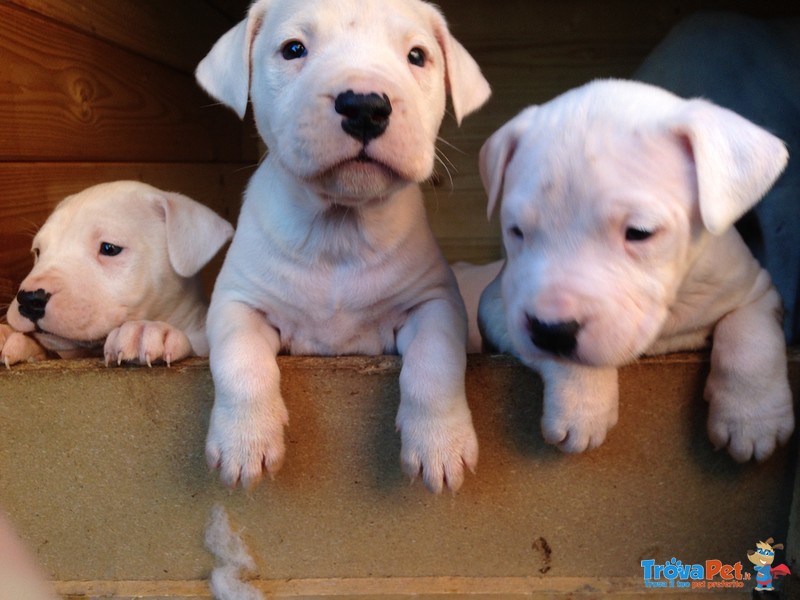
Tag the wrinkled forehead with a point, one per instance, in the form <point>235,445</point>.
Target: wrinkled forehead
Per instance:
<point>90,214</point>
<point>356,20</point>
<point>562,161</point>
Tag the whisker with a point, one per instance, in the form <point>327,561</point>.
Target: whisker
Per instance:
<point>443,157</point>
<point>446,165</point>
<point>450,145</point>
<point>30,227</point>
<point>259,162</point>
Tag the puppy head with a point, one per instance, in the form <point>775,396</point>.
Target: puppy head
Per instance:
<point>608,195</point>
<point>348,95</point>
<point>112,253</point>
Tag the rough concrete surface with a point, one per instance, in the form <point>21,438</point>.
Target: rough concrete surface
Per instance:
<point>102,469</point>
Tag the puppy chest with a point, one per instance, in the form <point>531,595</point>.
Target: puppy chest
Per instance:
<point>336,326</point>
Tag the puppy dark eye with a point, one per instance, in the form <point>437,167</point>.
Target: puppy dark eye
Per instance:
<point>417,57</point>
<point>637,234</point>
<point>515,232</point>
<point>107,249</point>
<point>294,49</point>
<point>35,253</point>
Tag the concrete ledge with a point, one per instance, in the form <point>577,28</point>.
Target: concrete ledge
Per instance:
<point>102,470</point>
<point>420,588</point>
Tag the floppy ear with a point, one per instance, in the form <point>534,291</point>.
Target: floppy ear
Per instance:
<point>466,85</point>
<point>735,160</point>
<point>195,233</point>
<point>225,71</point>
<point>496,154</point>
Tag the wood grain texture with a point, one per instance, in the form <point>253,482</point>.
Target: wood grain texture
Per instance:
<point>176,33</point>
<point>68,96</point>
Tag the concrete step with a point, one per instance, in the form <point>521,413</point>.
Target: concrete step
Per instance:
<point>102,471</point>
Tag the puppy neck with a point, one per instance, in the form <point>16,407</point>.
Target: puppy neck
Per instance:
<point>309,226</point>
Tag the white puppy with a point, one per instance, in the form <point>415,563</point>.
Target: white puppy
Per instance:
<point>114,273</point>
<point>333,254</point>
<point>617,205</point>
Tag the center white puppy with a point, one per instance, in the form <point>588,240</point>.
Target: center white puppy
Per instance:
<point>333,254</point>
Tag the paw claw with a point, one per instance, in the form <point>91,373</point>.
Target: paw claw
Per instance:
<point>244,445</point>
<point>437,450</point>
<point>749,431</point>
<point>147,342</point>
<point>17,347</point>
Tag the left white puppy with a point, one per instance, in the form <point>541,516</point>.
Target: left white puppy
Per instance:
<point>114,275</point>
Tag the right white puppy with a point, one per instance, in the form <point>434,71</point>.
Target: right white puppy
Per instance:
<point>618,200</point>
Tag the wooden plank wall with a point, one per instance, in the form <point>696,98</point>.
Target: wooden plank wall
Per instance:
<point>95,91</point>
<point>99,90</point>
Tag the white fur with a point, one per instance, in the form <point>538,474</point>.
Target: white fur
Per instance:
<point>472,279</point>
<point>232,559</point>
<point>574,175</point>
<point>333,255</point>
<point>142,305</point>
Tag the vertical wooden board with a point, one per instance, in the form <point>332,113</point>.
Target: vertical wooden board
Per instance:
<point>177,33</point>
<point>67,96</point>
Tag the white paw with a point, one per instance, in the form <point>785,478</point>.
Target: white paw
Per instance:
<point>581,405</point>
<point>244,444</point>
<point>750,424</point>
<point>16,347</point>
<point>579,427</point>
<point>437,448</point>
<point>146,342</point>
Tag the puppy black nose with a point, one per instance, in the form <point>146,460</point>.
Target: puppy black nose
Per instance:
<point>31,304</point>
<point>366,116</point>
<point>556,338</point>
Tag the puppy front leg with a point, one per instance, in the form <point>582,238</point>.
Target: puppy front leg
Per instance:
<point>434,420</point>
<point>245,434</point>
<point>581,404</point>
<point>16,347</point>
<point>750,402</point>
<point>146,342</point>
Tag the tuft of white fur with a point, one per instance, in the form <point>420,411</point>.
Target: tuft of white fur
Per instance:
<point>232,559</point>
